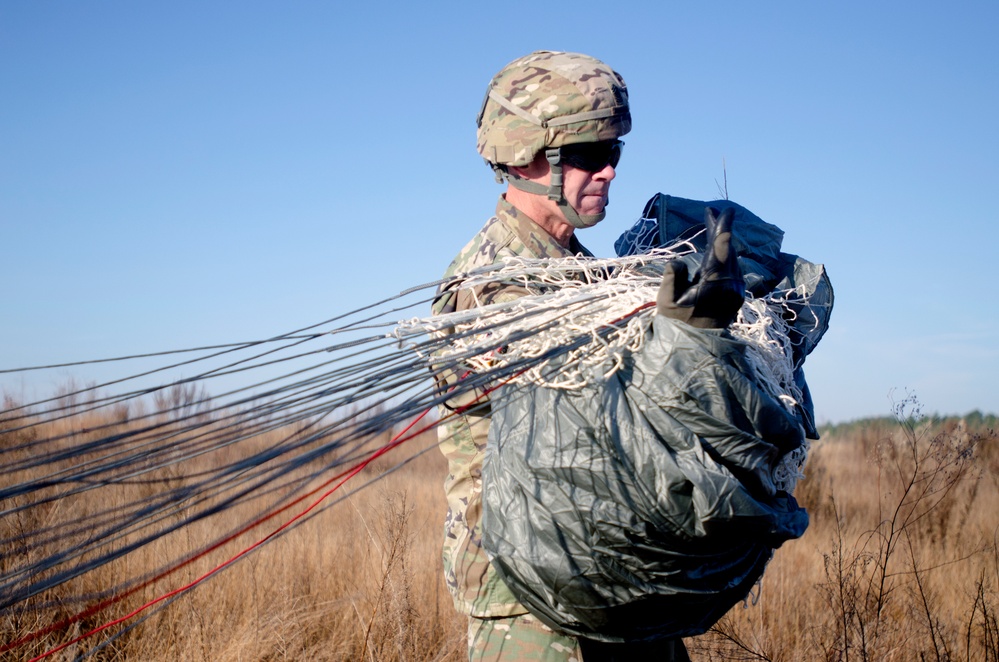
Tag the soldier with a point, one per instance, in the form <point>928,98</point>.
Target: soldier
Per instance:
<point>549,127</point>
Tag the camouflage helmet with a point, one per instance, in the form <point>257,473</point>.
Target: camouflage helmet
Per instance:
<point>542,102</point>
<point>549,99</point>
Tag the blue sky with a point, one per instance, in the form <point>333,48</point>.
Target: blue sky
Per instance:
<point>187,173</point>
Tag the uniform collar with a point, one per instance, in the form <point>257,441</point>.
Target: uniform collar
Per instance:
<point>533,235</point>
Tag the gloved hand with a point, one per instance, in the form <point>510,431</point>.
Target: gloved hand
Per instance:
<point>713,298</point>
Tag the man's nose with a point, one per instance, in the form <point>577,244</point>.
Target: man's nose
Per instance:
<point>607,173</point>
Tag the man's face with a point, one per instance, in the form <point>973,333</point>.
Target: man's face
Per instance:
<point>587,192</point>
<point>588,170</point>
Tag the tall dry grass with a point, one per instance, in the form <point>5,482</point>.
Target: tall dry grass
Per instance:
<point>358,581</point>
<point>900,563</point>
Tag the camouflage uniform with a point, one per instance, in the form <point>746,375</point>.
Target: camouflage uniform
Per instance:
<point>535,107</point>
<point>519,639</point>
<point>474,584</point>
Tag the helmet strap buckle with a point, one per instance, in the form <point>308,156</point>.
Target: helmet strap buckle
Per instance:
<point>554,156</point>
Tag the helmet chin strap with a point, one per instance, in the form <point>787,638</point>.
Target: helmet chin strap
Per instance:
<point>576,220</point>
<point>555,193</point>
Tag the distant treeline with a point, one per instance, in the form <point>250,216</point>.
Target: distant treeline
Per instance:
<point>974,421</point>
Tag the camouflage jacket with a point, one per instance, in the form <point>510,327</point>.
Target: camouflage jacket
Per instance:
<point>476,588</point>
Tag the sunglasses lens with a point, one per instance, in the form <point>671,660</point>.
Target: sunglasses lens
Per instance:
<point>592,157</point>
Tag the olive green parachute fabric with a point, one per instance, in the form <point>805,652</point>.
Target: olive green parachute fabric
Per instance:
<point>643,505</point>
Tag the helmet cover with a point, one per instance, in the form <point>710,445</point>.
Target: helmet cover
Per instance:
<point>550,99</point>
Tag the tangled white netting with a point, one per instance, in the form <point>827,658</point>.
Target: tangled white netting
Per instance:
<point>601,309</point>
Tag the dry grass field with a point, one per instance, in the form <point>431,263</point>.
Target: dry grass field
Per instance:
<point>900,563</point>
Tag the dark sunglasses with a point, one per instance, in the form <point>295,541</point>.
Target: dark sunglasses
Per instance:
<point>592,157</point>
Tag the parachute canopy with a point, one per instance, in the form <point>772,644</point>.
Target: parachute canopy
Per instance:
<point>646,500</point>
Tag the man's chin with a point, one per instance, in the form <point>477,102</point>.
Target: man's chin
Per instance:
<point>591,210</point>
<point>593,204</point>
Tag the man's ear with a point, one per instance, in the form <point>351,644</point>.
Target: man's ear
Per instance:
<point>519,171</point>
<point>536,169</point>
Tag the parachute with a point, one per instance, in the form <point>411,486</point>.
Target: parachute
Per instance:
<point>644,499</point>
<point>292,417</point>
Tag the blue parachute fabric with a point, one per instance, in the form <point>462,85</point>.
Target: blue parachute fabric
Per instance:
<point>668,219</point>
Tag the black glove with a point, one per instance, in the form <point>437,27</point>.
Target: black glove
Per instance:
<point>713,298</point>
